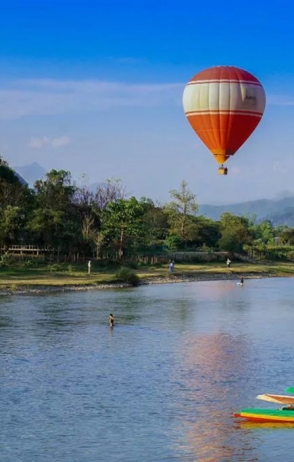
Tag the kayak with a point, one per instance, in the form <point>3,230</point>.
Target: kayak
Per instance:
<point>285,414</point>
<point>281,399</point>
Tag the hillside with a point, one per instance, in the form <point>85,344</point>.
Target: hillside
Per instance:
<point>31,172</point>
<point>284,217</point>
<point>279,211</point>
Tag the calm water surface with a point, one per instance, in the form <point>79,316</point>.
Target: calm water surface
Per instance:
<point>161,386</point>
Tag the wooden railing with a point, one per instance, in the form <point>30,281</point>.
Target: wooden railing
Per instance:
<point>26,249</point>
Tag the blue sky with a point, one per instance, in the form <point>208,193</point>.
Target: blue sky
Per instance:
<point>95,87</point>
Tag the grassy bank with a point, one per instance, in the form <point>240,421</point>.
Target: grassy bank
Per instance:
<point>16,277</point>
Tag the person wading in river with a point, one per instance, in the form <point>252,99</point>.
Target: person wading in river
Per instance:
<point>111,320</point>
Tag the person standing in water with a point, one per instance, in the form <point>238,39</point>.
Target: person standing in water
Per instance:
<point>111,320</point>
<point>242,281</point>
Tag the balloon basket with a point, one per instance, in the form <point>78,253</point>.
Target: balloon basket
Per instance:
<point>223,171</point>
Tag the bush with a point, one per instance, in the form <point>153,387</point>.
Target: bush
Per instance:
<point>128,276</point>
<point>4,260</point>
<point>30,264</point>
<point>55,267</point>
<point>7,260</point>
<point>173,243</point>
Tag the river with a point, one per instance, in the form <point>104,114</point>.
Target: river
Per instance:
<point>162,385</point>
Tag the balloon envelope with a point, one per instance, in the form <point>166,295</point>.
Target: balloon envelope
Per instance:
<point>224,105</point>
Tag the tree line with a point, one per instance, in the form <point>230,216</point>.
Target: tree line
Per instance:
<point>105,223</point>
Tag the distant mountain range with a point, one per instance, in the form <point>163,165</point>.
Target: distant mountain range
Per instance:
<point>278,211</point>
<point>31,172</point>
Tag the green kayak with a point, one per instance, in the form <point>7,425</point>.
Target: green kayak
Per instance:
<point>286,414</point>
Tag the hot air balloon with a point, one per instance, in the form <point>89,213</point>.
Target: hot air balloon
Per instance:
<point>224,105</point>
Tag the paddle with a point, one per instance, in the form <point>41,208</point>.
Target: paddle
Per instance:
<point>290,390</point>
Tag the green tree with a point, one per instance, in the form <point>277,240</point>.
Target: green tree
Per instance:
<point>208,232</point>
<point>6,172</point>
<point>155,223</point>
<point>16,202</point>
<point>264,231</point>
<point>122,224</point>
<point>12,191</point>
<point>180,212</point>
<point>287,236</point>
<point>235,232</point>
<point>173,243</point>
<point>54,219</point>
<point>12,219</point>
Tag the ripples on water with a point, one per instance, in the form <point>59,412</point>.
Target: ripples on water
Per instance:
<point>161,386</point>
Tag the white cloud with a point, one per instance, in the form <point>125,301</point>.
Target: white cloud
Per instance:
<point>59,142</point>
<point>37,97</point>
<point>50,97</point>
<point>38,143</point>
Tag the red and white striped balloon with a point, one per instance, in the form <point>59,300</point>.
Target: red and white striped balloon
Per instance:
<point>224,105</point>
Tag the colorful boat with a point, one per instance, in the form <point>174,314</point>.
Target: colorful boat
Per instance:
<point>286,414</point>
<point>283,415</point>
<point>280,399</point>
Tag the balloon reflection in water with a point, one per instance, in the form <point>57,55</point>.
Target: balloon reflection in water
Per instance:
<point>212,368</point>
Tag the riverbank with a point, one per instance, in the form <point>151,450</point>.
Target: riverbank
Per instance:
<point>20,281</point>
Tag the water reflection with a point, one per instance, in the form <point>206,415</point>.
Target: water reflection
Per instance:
<point>220,290</point>
<point>212,366</point>
<point>247,425</point>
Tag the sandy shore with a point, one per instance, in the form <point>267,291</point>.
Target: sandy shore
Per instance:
<point>171,279</point>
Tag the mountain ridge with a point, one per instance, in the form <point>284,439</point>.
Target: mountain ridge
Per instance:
<point>278,211</point>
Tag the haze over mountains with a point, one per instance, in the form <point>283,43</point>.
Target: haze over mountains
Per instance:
<point>31,172</point>
<point>280,211</point>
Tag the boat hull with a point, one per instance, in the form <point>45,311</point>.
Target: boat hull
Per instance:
<point>267,415</point>
<point>281,399</point>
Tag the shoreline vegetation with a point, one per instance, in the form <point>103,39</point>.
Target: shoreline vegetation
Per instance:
<point>54,233</point>
<point>22,281</point>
